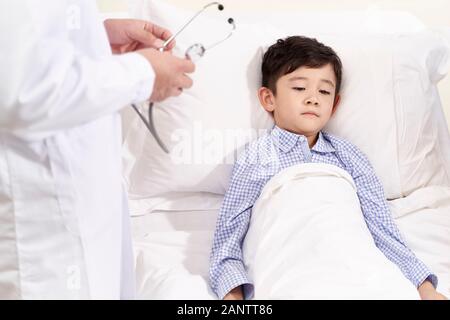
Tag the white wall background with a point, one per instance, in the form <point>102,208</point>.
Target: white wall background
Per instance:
<point>435,13</point>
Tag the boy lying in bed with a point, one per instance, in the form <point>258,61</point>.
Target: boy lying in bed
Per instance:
<point>300,87</point>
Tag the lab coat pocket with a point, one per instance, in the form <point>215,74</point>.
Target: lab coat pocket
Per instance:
<point>65,191</point>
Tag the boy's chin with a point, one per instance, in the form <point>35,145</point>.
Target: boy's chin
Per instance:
<point>307,131</point>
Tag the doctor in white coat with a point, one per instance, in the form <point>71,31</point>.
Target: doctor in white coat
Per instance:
<point>64,228</point>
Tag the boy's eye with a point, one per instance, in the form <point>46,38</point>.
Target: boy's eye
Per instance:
<point>299,88</point>
<point>324,92</point>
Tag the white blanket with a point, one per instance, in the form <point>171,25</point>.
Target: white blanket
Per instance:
<point>308,240</point>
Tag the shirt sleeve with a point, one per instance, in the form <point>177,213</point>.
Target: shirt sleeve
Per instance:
<point>227,270</point>
<point>49,83</point>
<point>381,224</point>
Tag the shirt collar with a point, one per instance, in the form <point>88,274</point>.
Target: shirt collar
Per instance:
<point>323,145</point>
<point>286,140</point>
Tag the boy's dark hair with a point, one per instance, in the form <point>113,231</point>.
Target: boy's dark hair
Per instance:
<point>287,55</point>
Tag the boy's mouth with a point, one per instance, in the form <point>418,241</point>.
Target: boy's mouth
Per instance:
<point>312,114</point>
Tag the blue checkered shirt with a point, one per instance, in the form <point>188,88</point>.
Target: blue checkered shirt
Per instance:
<point>267,156</point>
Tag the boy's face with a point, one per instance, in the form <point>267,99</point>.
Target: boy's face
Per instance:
<point>304,101</point>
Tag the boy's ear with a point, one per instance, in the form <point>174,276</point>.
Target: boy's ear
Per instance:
<point>337,101</point>
<point>266,99</point>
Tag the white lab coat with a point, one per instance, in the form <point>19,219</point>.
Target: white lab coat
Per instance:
<point>64,228</point>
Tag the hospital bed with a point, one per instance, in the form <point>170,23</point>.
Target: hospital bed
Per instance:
<point>172,247</point>
<point>391,110</point>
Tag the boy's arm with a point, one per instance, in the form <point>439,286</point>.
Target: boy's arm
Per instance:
<point>383,228</point>
<point>227,270</point>
<point>428,292</point>
<point>235,294</point>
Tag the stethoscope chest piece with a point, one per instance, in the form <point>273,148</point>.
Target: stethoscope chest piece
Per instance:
<point>195,52</point>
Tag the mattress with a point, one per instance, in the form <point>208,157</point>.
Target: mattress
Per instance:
<point>172,247</point>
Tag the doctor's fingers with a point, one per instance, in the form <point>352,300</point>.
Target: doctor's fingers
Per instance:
<point>149,35</point>
<point>187,66</point>
<point>160,33</point>
<point>176,92</point>
<point>183,82</point>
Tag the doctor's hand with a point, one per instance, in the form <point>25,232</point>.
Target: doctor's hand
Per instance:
<point>128,35</point>
<point>170,73</point>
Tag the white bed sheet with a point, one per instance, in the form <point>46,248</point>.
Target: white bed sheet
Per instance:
<point>172,254</point>
<point>172,248</point>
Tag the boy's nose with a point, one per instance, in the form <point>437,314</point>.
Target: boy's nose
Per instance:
<point>312,101</point>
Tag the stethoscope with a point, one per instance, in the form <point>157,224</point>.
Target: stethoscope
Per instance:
<point>194,52</point>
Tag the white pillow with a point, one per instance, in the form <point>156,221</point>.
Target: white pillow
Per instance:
<point>420,61</point>
<point>395,115</point>
<point>223,102</point>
